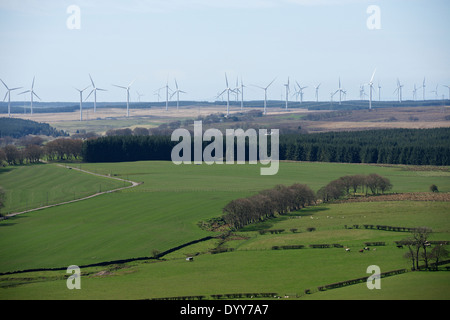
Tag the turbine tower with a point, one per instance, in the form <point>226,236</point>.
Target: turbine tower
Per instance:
<point>127,88</point>
<point>227,90</point>
<point>8,93</point>
<point>177,92</point>
<point>317,92</point>
<point>287,92</point>
<point>94,90</point>
<point>81,101</point>
<point>265,95</point>
<point>32,93</point>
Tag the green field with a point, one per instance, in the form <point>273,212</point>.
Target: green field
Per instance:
<point>164,211</point>
<point>38,185</point>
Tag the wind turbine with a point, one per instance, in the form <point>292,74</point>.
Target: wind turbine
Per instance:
<point>167,93</point>
<point>423,86</point>
<point>81,101</point>
<point>287,92</point>
<point>300,91</point>
<point>139,96</point>
<point>227,90</point>
<point>127,88</point>
<point>94,90</point>
<point>237,90</point>
<point>379,91</point>
<point>265,94</point>
<point>8,93</point>
<point>436,91</point>
<point>32,93</point>
<point>177,92</point>
<point>399,91</point>
<point>340,90</point>
<point>242,95</point>
<point>448,90</point>
<point>317,92</point>
<point>371,89</point>
<point>415,92</point>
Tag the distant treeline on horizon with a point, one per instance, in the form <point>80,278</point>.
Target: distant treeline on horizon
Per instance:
<point>21,107</point>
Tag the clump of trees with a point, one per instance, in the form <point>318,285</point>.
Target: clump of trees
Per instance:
<point>267,204</point>
<point>354,183</point>
<point>420,249</point>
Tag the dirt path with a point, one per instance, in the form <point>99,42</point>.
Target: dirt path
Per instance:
<point>133,184</point>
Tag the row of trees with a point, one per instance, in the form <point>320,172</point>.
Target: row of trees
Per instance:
<point>354,183</point>
<point>58,149</point>
<point>267,204</point>
<point>393,146</point>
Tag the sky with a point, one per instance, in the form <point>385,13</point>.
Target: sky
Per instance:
<point>197,42</point>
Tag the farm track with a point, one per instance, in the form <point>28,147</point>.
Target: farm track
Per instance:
<point>133,184</point>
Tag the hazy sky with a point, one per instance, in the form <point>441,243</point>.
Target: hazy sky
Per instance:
<point>197,41</point>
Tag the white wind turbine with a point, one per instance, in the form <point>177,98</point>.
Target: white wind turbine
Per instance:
<point>448,90</point>
<point>32,93</point>
<point>436,91</point>
<point>399,90</point>
<point>167,93</point>
<point>227,90</point>
<point>287,92</point>
<point>94,90</point>
<point>81,101</point>
<point>242,95</point>
<point>415,92</point>
<point>317,92</point>
<point>371,89</point>
<point>300,91</point>
<point>265,94</point>
<point>127,88</point>
<point>8,93</point>
<point>423,87</point>
<point>139,96</point>
<point>237,90</point>
<point>340,90</point>
<point>177,92</point>
<point>379,91</point>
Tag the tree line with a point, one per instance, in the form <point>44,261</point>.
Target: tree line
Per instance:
<point>267,204</point>
<point>58,149</point>
<point>390,146</point>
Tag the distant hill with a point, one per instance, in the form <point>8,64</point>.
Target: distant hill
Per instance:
<point>17,128</point>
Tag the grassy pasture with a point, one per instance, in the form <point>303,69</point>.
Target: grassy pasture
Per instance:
<point>38,185</point>
<point>164,211</point>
